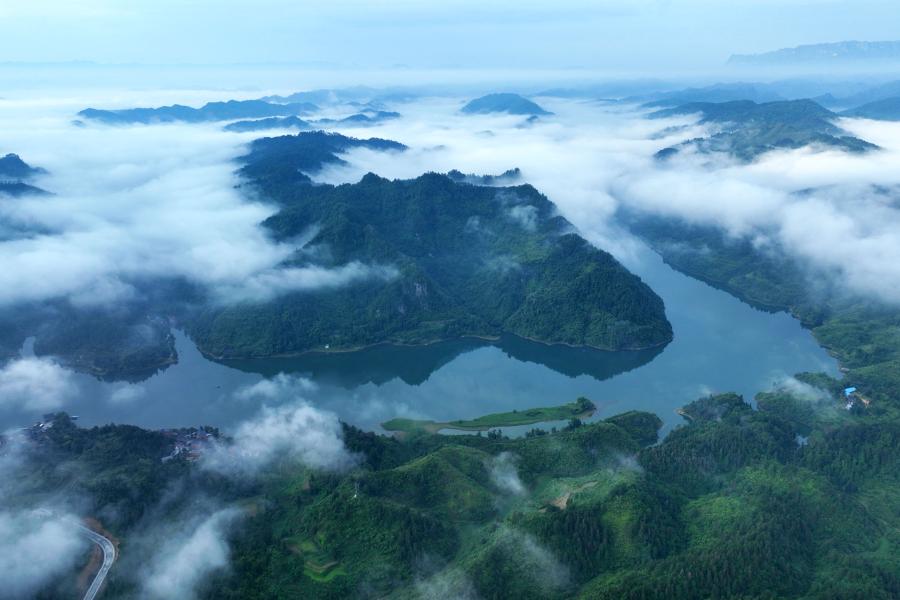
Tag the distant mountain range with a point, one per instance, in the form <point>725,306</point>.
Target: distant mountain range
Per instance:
<point>881,110</point>
<point>823,53</point>
<point>720,92</point>
<point>512,104</point>
<point>369,117</point>
<point>365,118</point>
<point>212,111</point>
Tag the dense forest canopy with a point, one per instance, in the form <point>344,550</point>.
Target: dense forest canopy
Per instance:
<point>446,259</point>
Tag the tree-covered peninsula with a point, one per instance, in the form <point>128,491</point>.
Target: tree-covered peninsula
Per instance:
<point>421,260</point>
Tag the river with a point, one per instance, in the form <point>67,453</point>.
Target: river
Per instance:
<point>720,344</point>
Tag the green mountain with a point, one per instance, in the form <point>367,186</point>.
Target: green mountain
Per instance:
<point>596,510</point>
<point>747,130</point>
<point>212,111</point>
<point>882,110</point>
<point>512,104</point>
<point>414,262</point>
<point>445,260</point>
<point>276,164</point>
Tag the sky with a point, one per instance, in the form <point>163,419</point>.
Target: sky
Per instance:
<point>632,35</point>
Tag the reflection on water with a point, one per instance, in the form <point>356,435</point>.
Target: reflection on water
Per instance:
<point>720,345</point>
<point>415,364</point>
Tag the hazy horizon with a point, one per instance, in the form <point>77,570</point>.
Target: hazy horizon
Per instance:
<point>644,36</point>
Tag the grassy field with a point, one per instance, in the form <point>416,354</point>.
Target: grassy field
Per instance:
<point>581,408</point>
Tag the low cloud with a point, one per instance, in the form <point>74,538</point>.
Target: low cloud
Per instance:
<point>271,283</point>
<point>134,205</point>
<point>127,393</point>
<point>296,431</point>
<point>550,575</point>
<point>626,463</point>
<point>524,215</point>
<point>449,584</point>
<point>504,473</point>
<point>835,212</point>
<point>140,203</point>
<point>35,384</point>
<point>804,391</point>
<point>279,388</point>
<point>36,549</point>
<point>189,556</point>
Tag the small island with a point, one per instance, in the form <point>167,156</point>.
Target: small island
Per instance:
<point>580,409</point>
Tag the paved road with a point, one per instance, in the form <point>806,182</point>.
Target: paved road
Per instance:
<point>109,557</point>
<point>109,550</point>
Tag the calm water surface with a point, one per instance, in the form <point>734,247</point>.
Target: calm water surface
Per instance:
<point>721,344</point>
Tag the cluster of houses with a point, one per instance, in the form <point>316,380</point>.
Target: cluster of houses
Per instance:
<point>188,443</point>
<point>852,396</point>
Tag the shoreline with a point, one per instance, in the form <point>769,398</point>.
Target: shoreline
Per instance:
<point>758,305</point>
<point>492,340</point>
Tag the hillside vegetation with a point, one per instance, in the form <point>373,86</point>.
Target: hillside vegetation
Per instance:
<point>747,130</point>
<point>447,260</point>
<point>794,500</point>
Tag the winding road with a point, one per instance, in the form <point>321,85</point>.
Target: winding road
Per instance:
<point>109,551</point>
<point>109,557</point>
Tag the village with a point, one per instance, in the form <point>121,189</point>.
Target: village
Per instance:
<point>852,396</point>
<point>188,443</point>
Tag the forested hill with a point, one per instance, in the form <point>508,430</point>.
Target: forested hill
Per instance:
<point>747,130</point>
<point>279,163</point>
<point>447,259</point>
<point>728,506</point>
<point>512,104</point>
